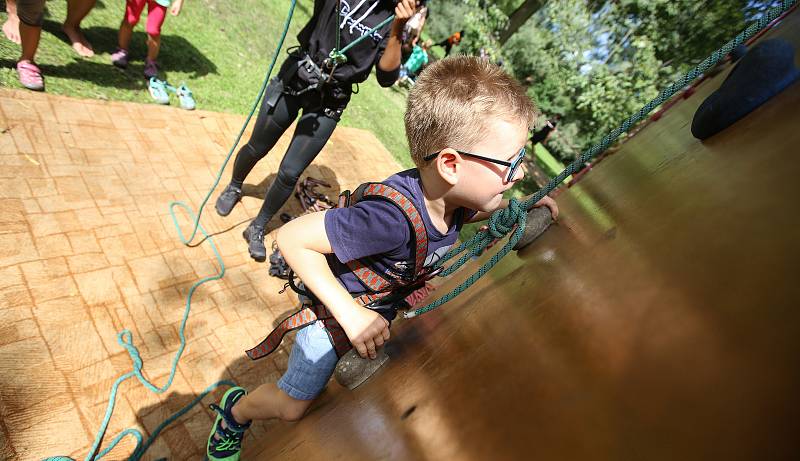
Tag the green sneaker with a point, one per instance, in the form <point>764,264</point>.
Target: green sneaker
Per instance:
<point>227,444</point>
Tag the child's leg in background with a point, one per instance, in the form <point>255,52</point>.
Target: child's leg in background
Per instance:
<point>133,10</point>
<point>31,15</point>
<point>155,18</point>
<point>11,26</point>
<point>76,11</point>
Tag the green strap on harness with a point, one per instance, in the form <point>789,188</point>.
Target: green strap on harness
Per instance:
<point>336,55</point>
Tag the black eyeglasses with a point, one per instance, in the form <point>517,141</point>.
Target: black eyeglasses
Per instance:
<point>514,164</point>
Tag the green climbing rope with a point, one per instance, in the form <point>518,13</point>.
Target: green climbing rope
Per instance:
<point>502,221</point>
<point>337,56</point>
<point>125,339</point>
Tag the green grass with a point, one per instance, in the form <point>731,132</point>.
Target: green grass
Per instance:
<point>550,164</point>
<point>220,49</point>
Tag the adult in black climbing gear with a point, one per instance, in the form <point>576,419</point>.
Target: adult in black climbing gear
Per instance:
<point>321,86</point>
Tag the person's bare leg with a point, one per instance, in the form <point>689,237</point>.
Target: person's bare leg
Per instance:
<point>153,46</point>
<point>29,35</point>
<point>125,34</point>
<point>11,26</point>
<point>268,401</point>
<point>76,11</point>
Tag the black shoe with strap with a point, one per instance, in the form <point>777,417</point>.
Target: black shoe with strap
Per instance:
<point>255,242</point>
<point>228,199</point>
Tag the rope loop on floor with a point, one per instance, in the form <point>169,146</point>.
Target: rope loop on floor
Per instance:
<point>125,338</point>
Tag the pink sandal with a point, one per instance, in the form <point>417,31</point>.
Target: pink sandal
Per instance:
<point>30,76</point>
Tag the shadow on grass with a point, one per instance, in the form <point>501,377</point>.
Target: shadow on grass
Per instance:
<point>177,55</point>
<point>99,74</point>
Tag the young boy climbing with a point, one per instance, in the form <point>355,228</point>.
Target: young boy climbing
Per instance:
<point>467,124</point>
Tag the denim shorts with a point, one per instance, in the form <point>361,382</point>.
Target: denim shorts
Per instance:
<point>311,363</point>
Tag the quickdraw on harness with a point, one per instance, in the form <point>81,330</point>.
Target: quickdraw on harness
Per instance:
<point>277,265</point>
<point>383,294</point>
<point>310,199</point>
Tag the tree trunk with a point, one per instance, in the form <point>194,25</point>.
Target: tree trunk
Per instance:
<point>518,18</point>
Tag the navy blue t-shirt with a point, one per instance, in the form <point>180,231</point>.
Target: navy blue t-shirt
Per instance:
<point>377,230</point>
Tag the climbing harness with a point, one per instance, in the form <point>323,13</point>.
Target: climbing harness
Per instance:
<point>318,74</point>
<point>384,294</point>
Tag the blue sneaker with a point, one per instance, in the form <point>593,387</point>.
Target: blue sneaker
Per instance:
<point>225,443</point>
<point>158,91</point>
<point>185,97</point>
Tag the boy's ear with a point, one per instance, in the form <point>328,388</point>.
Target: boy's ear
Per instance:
<point>449,165</point>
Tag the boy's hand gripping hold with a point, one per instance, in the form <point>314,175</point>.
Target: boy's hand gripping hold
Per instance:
<point>366,329</point>
<point>304,244</point>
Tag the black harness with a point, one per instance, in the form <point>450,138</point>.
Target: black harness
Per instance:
<point>302,74</point>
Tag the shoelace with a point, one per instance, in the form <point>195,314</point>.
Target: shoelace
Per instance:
<point>228,444</point>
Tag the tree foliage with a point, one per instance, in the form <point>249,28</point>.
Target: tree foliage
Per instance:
<point>480,20</point>
<point>594,62</point>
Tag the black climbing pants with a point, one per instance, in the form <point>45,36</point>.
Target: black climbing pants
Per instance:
<point>314,127</point>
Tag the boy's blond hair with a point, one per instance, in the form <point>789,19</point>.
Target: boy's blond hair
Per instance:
<point>453,101</point>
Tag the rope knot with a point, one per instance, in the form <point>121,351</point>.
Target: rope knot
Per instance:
<point>502,221</point>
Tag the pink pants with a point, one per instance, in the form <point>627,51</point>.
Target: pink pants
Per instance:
<point>155,14</point>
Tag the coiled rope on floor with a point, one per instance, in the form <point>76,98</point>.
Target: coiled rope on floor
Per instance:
<point>125,339</point>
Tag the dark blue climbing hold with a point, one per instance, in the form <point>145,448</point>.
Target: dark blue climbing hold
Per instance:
<point>738,52</point>
<point>764,71</point>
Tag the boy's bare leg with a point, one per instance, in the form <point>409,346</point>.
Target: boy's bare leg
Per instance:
<point>268,401</point>
<point>76,11</point>
<point>153,46</point>
<point>11,26</point>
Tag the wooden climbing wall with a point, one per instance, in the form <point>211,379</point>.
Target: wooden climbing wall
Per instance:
<point>659,320</point>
